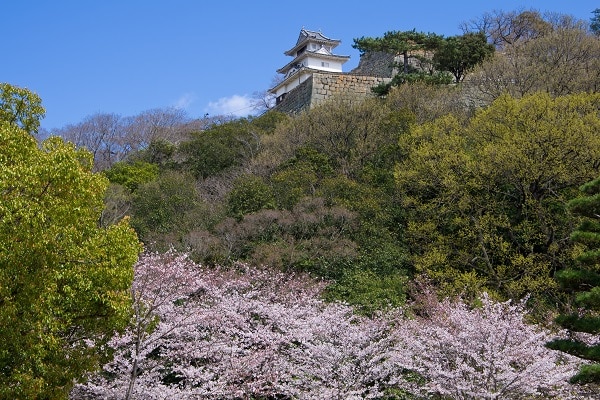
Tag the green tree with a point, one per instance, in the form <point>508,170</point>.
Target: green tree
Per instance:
<point>131,175</point>
<point>159,152</point>
<point>415,48</point>
<point>595,22</point>
<point>408,44</point>
<point>20,107</point>
<point>162,206</point>
<point>249,194</point>
<point>583,281</point>
<point>299,176</point>
<point>64,281</point>
<point>343,157</point>
<point>485,200</point>
<point>368,291</point>
<point>267,122</point>
<point>459,54</point>
<point>220,147</point>
<point>348,137</point>
<point>433,78</point>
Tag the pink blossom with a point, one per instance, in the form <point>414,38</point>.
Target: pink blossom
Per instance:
<point>244,332</point>
<point>487,352</point>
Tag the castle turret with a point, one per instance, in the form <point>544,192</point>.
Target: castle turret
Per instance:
<point>313,52</point>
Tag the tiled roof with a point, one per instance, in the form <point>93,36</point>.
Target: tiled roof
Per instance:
<point>311,36</point>
<point>306,34</point>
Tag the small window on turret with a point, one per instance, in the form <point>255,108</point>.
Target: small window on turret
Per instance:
<point>324,64</point>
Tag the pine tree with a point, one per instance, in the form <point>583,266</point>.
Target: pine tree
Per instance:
<point>595,22</point>
<point>583,281</point>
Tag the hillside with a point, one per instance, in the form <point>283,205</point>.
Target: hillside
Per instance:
<point>416,244</point>
<point>462,188</point>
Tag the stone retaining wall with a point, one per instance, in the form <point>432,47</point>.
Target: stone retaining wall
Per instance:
<point>298,99</point>
<point>377,63</point>
<point>323,86</point>
<point>345,87</point>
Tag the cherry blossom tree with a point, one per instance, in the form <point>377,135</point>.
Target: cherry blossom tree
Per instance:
<point>245,333</point>
<point>485,352</point>
<point>256,333</point>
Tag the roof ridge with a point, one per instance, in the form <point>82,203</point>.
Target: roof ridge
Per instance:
<point>318,35</point>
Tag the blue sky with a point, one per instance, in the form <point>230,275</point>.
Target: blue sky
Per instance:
<point>127,56</point>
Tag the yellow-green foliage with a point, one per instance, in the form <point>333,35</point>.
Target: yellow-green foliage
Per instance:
<point>486,198</point>
<point>20,107</point>
<point>132,175</point>
<point>249,194</point>
<point>63,280</point>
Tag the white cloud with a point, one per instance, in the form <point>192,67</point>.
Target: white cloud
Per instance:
<point>184,101</point>
<point>236,105</point>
